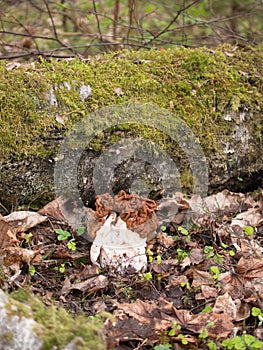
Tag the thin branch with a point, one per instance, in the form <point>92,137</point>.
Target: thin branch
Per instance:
<point>98,22</point>
<point>171,22</point>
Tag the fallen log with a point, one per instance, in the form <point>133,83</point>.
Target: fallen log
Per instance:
<point>212,97</point>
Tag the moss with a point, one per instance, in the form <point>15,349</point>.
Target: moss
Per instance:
<point>56,327</point>
<point>201,84</point>
<point>7,337</point>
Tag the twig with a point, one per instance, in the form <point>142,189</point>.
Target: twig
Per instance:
<point>171,22</point>
<point>98,22</point>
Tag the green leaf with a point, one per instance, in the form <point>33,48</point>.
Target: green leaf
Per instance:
<point>248,230</point>
<point>28,236</point>
<point>256,311</point>
<point>31,270</point>
<point>214,270</point>
<point>62,234</point>
<point>162,347</point>
<point>208,308</point>
<point>81,230</point>
<point>71,245</point>
<point>183,231</point>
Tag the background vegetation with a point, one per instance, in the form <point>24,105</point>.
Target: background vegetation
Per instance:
<point>68,28</point>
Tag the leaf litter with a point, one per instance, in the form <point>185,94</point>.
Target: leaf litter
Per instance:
<point>199,284</point>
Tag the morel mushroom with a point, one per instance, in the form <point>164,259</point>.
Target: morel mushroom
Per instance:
<point>120,227</point>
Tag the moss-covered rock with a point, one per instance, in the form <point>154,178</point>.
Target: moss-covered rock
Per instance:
<point>26,323</point>
<point>218,94</point>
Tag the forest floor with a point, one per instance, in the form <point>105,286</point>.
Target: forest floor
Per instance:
<point>202,289</point>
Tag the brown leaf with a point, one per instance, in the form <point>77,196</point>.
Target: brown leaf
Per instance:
<point>22,221</point>
<point>92,284</point>
<point>250,268</point>
<point>225,304</point>
<point>209,292</point>
<point>7,235</point>
<point>197,256</point>
<point>221,326</point>
<point>201,278</point>
<point>147,313</point>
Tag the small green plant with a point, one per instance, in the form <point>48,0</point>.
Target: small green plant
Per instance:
<point>71,244</point>
<point>181,254</point>
<point>163,228</point>
<point>248,230</point>
<point>183,231</point>
<point>185,284</point>
<point>256,312</point>
<point>32,270</point>
<point>28,236</point>
<point>62,234</point>
<point>175,328</point>
<point>243,342</point>
<point>147,276</point>
<point>211,345</point>
<point>207,308</point>
<point>62,267</point>
<point>209,250</point>
<point>80,230</point>
<point>163,347</point>
<point>159,259</point>
<point>149,252</point>
<point>182,338</point>
<point>214,270</point>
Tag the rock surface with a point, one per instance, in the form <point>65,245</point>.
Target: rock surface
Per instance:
<point>16,331</point>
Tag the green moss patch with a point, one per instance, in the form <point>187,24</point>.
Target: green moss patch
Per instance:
<point>196,85</point>
<point>57,327</point>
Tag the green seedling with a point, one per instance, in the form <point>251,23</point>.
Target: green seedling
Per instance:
<point>174,330</point>
<point>163,228</point>
<point>209,250</point>
<point>183,231</point>
<point>183,340</point>
<point>256,312</point>
<point>181,254</point>
<point>185,284</point>
<point>62,234</point>
<point>28,236</point>
<point>62,267</point>
<point>243,342</point>
<point>71,244</point>
<point>159,259</point>
<point>214,270</point>
<point>211,345</point>
<point>149,252</point>
<point>248,230</point>
<point>207,308</point>
<point>147,276</point>
<point>32,270</point>
<point>80,230</point>
<point>163,347</point>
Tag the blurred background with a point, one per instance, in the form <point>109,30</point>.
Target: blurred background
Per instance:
<point>68,28</point>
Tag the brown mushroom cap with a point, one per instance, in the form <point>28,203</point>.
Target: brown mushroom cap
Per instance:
<point>137,212</point>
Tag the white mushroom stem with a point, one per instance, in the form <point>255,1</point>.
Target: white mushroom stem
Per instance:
<point>117,247</point>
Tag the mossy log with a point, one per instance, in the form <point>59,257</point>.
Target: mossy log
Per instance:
<point>217,93</point>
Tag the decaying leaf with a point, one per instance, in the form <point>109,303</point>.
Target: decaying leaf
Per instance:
<point>7,235</point>
<point>21,221</point>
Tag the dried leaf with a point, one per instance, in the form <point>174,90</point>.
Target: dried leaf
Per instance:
<point>7,235</point>
<point>22,221</point>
